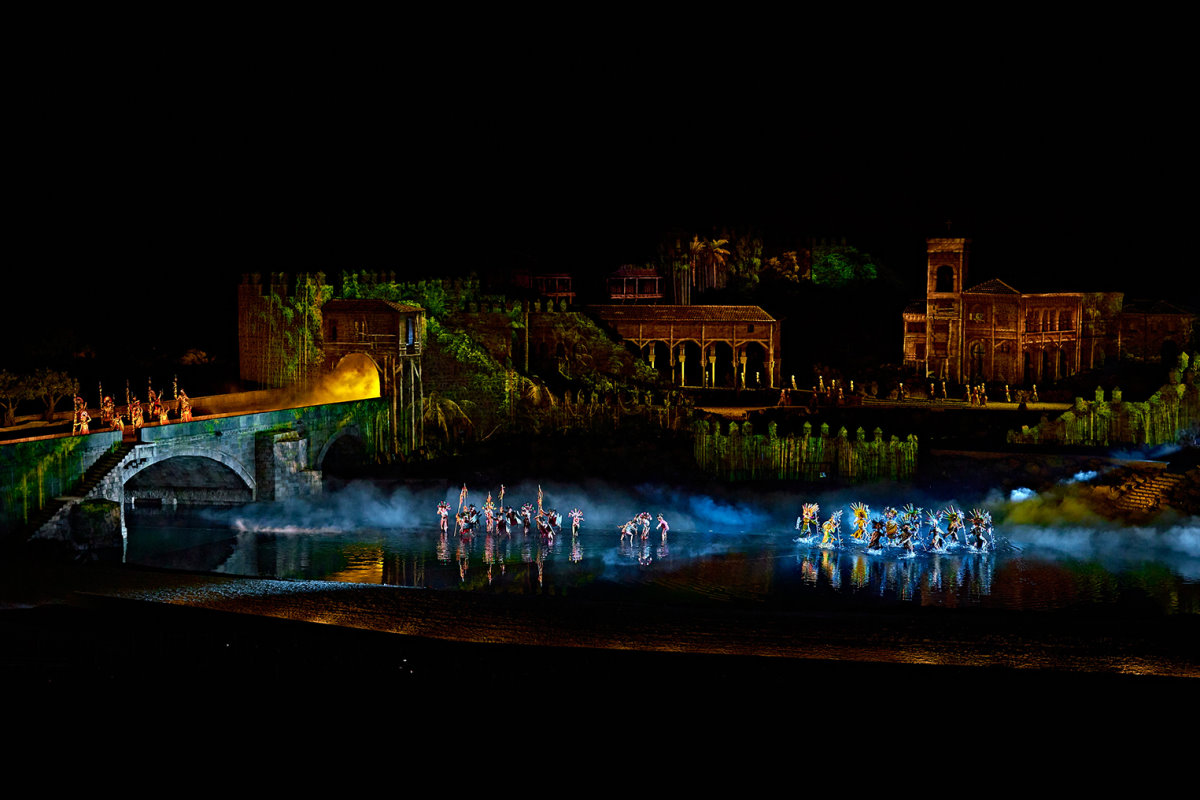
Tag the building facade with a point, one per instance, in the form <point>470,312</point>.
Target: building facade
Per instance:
<point>994,332</point>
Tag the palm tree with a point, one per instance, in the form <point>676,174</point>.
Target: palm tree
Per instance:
<point>707,261</point>
<point>444,415</point>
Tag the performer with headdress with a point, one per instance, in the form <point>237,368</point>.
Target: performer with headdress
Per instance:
<point>489,513</point>
<point>576,520</point>
<point>891,529</point>
<point>663,526</point>
<point>936,540</point>
<point>977,530</point>
<point>877,531</point>
<point>832,528</point>
<point>185,407</point>
<point>807,518</point>
<point>954,523</point>
<point>862,515</point>
<point>80,407</point>
<point>83,419</point>
<point>443,511</point>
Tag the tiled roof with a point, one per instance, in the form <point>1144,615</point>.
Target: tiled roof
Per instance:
<point>662,313</point>
<point>365,306</point>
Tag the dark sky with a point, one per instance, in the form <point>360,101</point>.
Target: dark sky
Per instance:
<point>138,203</point>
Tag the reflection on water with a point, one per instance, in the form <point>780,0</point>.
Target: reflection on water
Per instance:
<point>694,566</point>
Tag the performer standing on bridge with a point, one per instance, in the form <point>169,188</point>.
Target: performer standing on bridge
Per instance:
<point>185,407</point>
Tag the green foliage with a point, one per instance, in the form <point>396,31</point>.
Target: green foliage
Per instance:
<point>429,295</point>
<point>841,265</point>
<point>745,261</point>
<point>293,326</point>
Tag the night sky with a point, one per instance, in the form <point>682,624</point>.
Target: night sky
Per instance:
<point>140,207</point>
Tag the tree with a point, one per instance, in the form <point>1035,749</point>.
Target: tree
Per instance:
<point>707,261</point>
<point>840,265</point>
<point>447,417</point>
<point>13,389</point>
<point>50,386</point>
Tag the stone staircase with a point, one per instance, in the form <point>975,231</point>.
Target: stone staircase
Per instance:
<point>1145,493</point>
<point>80,490</point>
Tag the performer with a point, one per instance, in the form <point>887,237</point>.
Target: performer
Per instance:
<point>807,518</point>
<point>135,415</point>
<point>862,515</point>
<point>489,513</point>
<point>185,407</point>
<point>891,530</point>
<point>80,407</point>
<point>936,540</point>
<point>663,526</point>
<point>107,409</point>
<point>832,528</point>
<point>443,511</point>
<point>978,524</point>
<point>628,529</point>
<point>877,530</point>
<point>954,523</point>
<point>576,519</point>
<point>906,537</point>
<point>84,417</point>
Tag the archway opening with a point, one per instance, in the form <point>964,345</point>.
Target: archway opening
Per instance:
<point>355,378</point>
<point>190,480</point>
<point>345,456</point>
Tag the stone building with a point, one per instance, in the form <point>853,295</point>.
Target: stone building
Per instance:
<point>994,332</point>
<point>702,346</point>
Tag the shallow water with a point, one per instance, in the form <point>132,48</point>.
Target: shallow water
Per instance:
<point>717,551</point>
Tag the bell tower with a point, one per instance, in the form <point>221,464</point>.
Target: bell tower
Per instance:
<point>946,276</point>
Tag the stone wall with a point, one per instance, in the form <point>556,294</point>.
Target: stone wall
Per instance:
<point>35,471</point>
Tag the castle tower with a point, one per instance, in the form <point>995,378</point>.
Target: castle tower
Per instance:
<point>946,278</point>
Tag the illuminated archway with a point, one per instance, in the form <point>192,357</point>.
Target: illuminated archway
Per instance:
<point>356,377</point>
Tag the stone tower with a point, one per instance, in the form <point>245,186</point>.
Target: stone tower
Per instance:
<point>946,278</point>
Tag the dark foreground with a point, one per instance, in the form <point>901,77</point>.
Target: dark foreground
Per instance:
<point>145,636</point>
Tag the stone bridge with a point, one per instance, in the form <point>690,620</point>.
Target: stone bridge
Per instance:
<point>262,456</point>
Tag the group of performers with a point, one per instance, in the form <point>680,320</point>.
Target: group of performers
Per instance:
<point>501,519</point>
<point>644,521</point>
<point>111,416</point>
<point>900,528</point>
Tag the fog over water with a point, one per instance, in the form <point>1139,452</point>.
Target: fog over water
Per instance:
<point>1053,525</point>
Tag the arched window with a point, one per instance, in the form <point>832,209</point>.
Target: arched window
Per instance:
<point>976,360</point>
<point>945,279</point>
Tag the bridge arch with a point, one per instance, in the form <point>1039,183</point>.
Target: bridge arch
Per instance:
<point>137,466</point>
<point>345,449</point>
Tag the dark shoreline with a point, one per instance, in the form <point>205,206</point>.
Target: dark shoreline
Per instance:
<point>101,633</point>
